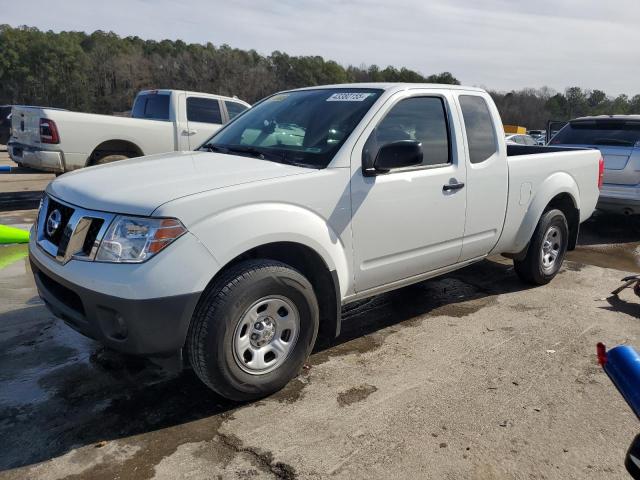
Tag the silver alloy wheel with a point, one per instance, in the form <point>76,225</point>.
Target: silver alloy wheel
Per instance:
<point>551,246</point>
<point>266,334</point>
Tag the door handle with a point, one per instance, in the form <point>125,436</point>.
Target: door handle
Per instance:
<point>452,186</point>
<point>189,132</point>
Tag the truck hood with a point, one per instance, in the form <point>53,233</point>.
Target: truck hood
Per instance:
<point>140,185</point>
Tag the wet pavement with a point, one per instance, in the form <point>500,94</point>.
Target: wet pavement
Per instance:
<point>609,241</point>
<point>473,375</point>
<point>20,188</point>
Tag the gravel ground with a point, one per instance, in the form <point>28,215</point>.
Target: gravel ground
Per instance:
<point>472,375</point>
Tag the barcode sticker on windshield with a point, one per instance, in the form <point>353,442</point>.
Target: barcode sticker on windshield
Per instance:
<point>348,97</point>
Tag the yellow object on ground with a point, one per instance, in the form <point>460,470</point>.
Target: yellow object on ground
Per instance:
<point>13,235</point>
<point>515,129</point>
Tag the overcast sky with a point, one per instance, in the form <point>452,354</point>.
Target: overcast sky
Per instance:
<point>499,44</point>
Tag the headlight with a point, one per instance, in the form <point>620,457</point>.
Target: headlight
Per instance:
<point>136,239</point>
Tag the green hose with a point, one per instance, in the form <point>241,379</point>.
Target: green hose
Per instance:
<point>13,235</point>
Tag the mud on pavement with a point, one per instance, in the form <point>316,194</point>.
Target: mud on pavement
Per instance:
<point>469,376</point>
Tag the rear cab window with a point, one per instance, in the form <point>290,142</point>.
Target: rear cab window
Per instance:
<point>609,132</point>
<point>234,108</point>
<point>203,110</point>
<point>152,106</point>
<point>478,124</point>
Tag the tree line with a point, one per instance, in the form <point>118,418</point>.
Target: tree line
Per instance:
<point>534,107</point>
<point>101,72</point>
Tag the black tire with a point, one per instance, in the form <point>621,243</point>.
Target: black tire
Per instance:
<point>211,336</point>
<point>110,159</point>
<point>532,268</point>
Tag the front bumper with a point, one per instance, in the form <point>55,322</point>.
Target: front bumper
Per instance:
<point>141,309</point>
<point>153,326</point>
<point>36,158</point>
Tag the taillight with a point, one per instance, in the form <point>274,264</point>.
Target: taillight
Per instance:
<point>48,131</point>
<point>600,172</point>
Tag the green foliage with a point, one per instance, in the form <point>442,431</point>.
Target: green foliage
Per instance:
<point>101,72</point>
<point>533,108</point>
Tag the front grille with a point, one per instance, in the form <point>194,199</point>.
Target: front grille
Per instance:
<point>66,211</point>
<point>92,235</point>
<point>79,230</point>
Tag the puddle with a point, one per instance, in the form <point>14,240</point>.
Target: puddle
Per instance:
<point>355,394</point>
<point>609,241</point>
<point>622,256</point>
<point>18,217</point>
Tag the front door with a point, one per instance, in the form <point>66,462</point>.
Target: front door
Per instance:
<point>409,221</point>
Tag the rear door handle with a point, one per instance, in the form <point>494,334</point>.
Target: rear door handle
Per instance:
<point>188,133</point>
<point>452,186</point>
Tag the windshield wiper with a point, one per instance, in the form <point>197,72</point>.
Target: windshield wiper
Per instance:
<point>214,148</point>
<point>254,152</point>
<point>280,157</point>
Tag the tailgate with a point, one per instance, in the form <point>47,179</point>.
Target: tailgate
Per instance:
<point>25,123</point>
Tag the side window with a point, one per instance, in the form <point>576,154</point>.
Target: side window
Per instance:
<point>422,119</point>
<point>234,108</point>
<point>478,123</point>
<point>205,110</point>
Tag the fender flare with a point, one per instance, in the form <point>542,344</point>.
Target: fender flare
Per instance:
<point>554,185</point>
<point>225,235</point>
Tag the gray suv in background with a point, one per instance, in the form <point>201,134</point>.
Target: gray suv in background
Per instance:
<point>618,138</point>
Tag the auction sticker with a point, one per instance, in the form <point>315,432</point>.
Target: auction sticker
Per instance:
<point>348,97</point>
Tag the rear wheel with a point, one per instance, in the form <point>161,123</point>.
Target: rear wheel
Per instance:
<point>109,159</point>
<point>253,329</point>
<point>546,250</point>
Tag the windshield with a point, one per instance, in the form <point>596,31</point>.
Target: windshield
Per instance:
<point>305,127</point>
<point>598,132</point>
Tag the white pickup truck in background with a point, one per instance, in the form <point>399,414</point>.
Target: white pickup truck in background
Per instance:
<point>58,140</point>
<point>242,253</point>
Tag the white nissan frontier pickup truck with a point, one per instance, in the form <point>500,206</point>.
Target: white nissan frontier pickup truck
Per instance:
<point>240,255</point>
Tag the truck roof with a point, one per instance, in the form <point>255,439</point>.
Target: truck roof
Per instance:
<point>394,86</point>
<point>189,92</point>
<point>635,118</point>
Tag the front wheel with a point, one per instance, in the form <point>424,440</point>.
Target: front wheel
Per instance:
<point>546,249</point>
<point>253,329</point>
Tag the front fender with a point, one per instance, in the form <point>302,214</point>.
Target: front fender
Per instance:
<point>233,232</point>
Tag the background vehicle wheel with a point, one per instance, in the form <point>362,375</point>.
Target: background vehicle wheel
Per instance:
<point>109,159</point>
<point>253,329</point>
<point>546,249</point>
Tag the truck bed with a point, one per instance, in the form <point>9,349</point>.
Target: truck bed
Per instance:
<point>517,150</point>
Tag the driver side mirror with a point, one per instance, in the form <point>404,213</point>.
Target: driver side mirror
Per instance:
<point>400,154</point>
<point>633,459</point>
